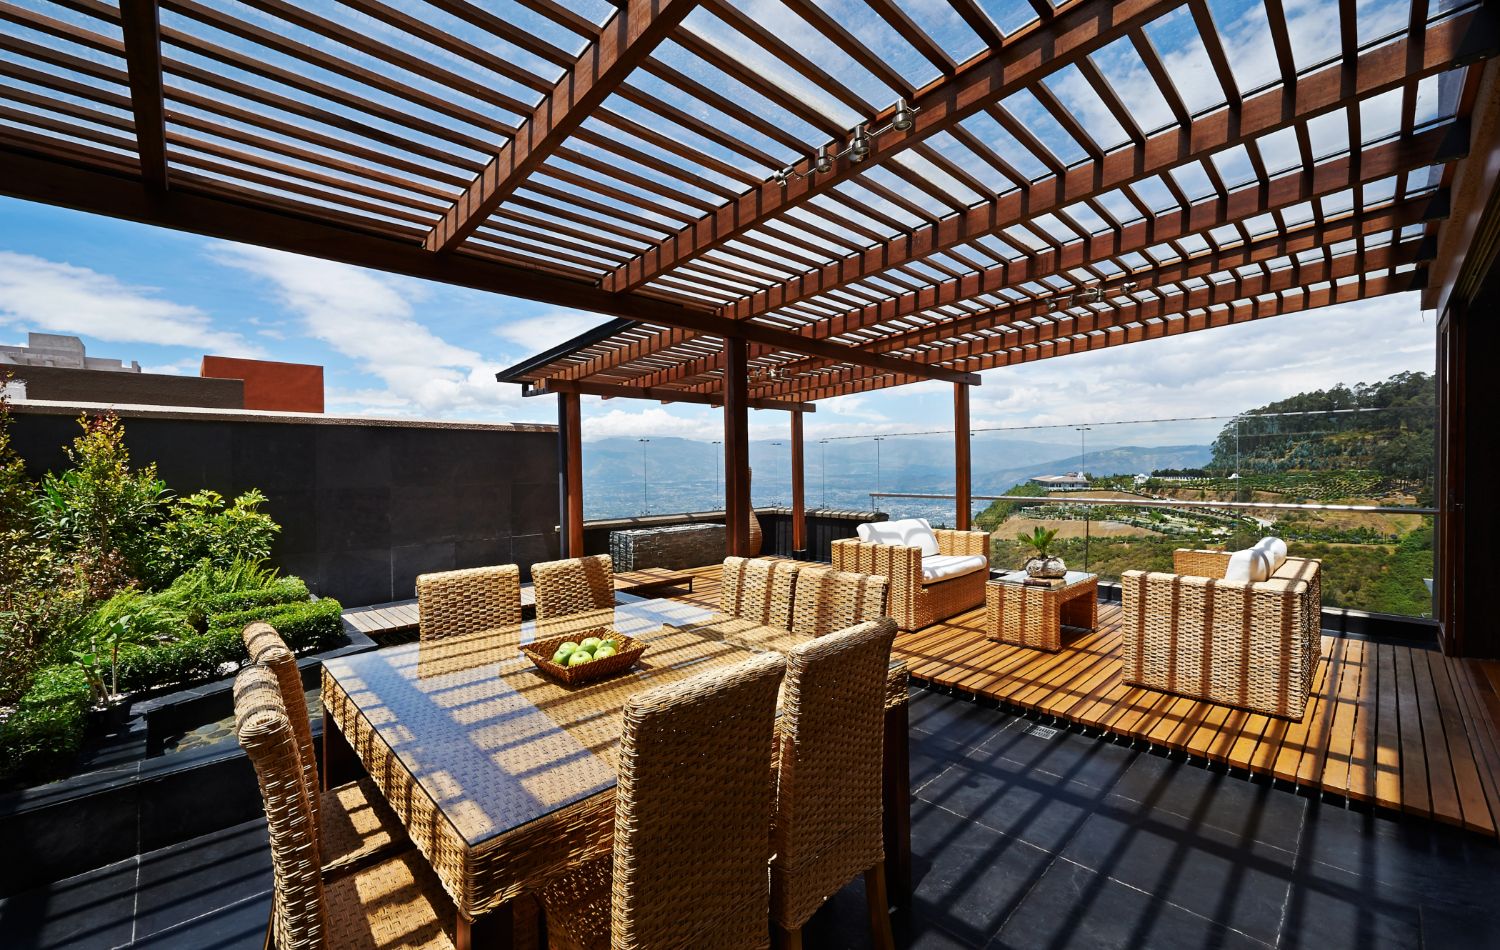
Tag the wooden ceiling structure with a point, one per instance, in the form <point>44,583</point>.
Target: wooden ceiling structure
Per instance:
<point>1035,179</point>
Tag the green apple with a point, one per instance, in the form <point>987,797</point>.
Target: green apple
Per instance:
<point>580,657</point>
<point>568,645</point>
<point>604,650</point>
<point>591,643</point>
<point>561,657</point>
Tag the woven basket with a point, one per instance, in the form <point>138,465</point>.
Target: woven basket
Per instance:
<point>629,651</point>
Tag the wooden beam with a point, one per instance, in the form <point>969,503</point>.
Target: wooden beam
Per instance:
<point>1465,245</point>
<point>736,450</point>
<point>1387,67</point>
<point>799,469</point>
<point>140,26</point>
<point>570,432</point>
<point>962,472</point>
<point>1024,57</point>
<point>610,391</point>
<point>1377,71</point>
<point>1240,311</point>
<point>630,35</point>
<point>57,175</point>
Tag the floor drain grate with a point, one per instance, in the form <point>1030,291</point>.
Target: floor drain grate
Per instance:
<point>1041,732</point>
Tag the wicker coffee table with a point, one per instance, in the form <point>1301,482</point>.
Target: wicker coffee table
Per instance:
<point>1034,616</point>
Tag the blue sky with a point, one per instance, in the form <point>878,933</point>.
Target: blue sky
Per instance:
<point>395,346</point>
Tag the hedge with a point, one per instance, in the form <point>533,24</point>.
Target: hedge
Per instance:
<point>306,627</point>
<point>284,590</point>
<point>47,727</point>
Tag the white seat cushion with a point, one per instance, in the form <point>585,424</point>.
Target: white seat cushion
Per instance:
<point>1251,565</point>
<point>942,567</point>
<point>1275,551</point>
<point>908,533</point>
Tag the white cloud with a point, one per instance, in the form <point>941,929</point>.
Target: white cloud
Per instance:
<point>38,294</point>
<point>371,319</point>
<point>539,333</point>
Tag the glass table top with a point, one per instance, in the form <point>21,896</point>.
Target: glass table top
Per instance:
<point>495,743</point>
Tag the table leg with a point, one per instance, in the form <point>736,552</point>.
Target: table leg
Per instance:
<point>898,805</point>
<point>492,931</point>
<point>340,764</point>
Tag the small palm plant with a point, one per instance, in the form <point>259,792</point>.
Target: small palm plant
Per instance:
<point>1042,563</point>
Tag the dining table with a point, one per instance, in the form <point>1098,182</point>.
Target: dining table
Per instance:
<point>504,777</point>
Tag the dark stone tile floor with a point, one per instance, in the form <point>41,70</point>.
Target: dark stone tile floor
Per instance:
<point>1023,837</point>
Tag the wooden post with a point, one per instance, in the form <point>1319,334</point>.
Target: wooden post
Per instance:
<point>799,512</point>
<point>570,467</point>
<point>736,446</point>
<point>962,487</point>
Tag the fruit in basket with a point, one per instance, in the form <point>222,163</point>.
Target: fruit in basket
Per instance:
<point>604,649</point>
<point>563,652</point>
<point>590,644</point>
<point>580,657</point>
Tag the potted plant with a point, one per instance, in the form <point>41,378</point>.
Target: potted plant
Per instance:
<point>1042,563</point>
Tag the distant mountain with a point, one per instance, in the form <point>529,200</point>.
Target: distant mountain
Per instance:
<point>686,475</point>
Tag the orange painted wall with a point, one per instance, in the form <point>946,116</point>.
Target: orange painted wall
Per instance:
<point>281,387</point>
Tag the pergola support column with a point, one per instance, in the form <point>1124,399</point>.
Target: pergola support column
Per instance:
<point>962,471</point>
<point>799,510</point>
<point>736,446</point>
<point>570,472</point>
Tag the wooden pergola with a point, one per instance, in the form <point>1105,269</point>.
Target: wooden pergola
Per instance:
<point>779,209</point>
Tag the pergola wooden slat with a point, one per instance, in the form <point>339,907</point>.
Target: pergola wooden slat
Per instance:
<point>633,172</point>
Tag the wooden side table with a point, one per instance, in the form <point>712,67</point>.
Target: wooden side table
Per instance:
<point>1034,616</point>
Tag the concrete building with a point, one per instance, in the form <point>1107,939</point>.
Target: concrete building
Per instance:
<point>55,368</point>
<point>1070,480</point>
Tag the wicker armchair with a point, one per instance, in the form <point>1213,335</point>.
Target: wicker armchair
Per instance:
<point>573,586</point>
<point>395,903</point>
<point>828,819</point>
<point>353,823</point>
<point>479,598</point>
<point>1249,644</point>
<point>914,603</point>
<point>692,813</point>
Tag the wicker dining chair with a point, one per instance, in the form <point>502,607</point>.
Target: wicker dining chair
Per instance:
<point>465,601</point>
<point>827,827</point>
<point>827,600</point>
<point>395,903</point>
<point>574,585</point>
<point>353,823</point>
<point>691,812</point>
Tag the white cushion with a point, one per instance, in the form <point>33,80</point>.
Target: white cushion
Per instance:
<point>908,533</point>
<point>1251,565</point>
<point>1275,551</point>
<point>942,567</point>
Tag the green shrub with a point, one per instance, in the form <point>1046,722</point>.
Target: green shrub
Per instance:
<point>203,528</point>
<point>46,730</point>
<point>283,590</point>
<point>306,627</point>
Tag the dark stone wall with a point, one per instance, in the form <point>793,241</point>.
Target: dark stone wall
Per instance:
<point>61,384</point>
<point>364,507</point>
<point>824,526</point>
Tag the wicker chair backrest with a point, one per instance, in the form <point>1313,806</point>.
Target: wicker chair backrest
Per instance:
<point>466,601</point>
<point>828,600</point>
<point>692,810</point>
<point>267,648</point>
<point>265,732</point>
<point>573,585</point>
<point>828,823</point>
<point>759,590</point>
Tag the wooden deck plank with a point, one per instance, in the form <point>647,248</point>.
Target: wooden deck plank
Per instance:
<point>1440,781</point>
<point>1415,796</point>
<point>1470,792</point>
<point>1480,728</point>
<point>1388,762</point>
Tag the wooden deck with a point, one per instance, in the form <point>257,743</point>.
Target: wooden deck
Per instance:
<point>1404,728</point>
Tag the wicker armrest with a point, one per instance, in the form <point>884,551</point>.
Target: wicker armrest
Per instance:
<point>962,542</point>
<point>1200,563</point>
